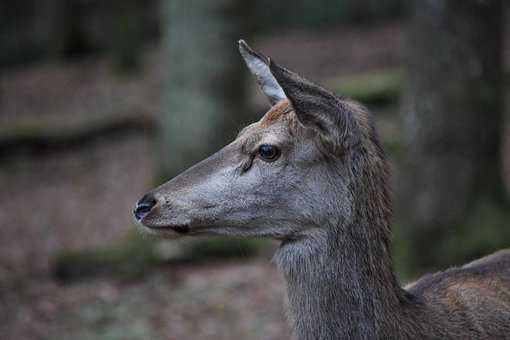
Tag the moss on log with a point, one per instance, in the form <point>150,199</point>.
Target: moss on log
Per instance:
<point>133,256</point>
<point>379,88</point>
<point>60,133</point>
<point>129,258</point>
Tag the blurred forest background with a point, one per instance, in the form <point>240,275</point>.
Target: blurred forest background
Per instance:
<point>102,100</point>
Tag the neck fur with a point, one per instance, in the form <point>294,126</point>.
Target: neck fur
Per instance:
<point>340,280</point>
<point>340,287</point>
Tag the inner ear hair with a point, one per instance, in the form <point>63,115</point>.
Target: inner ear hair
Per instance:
<point>259,67</point>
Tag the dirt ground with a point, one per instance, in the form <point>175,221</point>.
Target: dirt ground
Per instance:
<point>237,300</point>
<point>82,197</point>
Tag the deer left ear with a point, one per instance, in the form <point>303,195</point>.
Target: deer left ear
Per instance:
<point>317,108</point>
<point>259,67</point>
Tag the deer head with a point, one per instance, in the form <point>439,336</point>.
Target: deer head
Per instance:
<point>289,175</point>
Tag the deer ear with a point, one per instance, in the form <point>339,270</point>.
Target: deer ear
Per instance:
<point>259,67</point>
<point>317,108</point>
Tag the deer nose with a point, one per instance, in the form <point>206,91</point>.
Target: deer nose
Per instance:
<point>144,206</point>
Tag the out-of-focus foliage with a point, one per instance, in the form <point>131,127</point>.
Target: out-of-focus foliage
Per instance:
<point>486,228</point>
<point>380,88</point>
<point>271,15</point>
<point>129,258</point>
<point>127,36</point>
<point>133,256</point>
<point>32,30</point>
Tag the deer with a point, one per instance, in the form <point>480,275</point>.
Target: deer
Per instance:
<point>312,174</point>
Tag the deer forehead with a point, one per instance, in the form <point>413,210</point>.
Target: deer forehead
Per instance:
<point>280,123</point>
<point>277,113</point>
<point>282,112</point>
<point>272,127</point>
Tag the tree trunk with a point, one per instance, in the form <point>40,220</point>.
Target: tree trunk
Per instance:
<point>452,126</point>
<point>206,102</point>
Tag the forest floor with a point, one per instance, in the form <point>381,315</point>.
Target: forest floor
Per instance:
<point>81,197</point>
<point>228,300</point>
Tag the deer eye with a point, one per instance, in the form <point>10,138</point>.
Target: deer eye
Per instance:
<point>269,152</point>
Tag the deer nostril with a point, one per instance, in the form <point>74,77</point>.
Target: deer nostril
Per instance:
<point>144,206</point>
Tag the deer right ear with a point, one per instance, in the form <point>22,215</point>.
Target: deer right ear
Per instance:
<point>318,109</point>
<point>259,67</point>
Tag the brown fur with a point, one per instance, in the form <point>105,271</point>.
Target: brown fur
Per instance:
<point>475,297</point>
<point>275,113</point>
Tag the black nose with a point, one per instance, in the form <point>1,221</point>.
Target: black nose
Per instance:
<point>144,206</point>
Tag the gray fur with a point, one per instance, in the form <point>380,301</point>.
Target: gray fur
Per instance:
<point>327,199</point>
<point>258,65</point>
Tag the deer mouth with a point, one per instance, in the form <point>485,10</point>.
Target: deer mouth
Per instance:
<point>179,229</point>
<point>163,230</point>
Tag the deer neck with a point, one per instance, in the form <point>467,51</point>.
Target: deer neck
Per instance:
<point>340,283</point>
